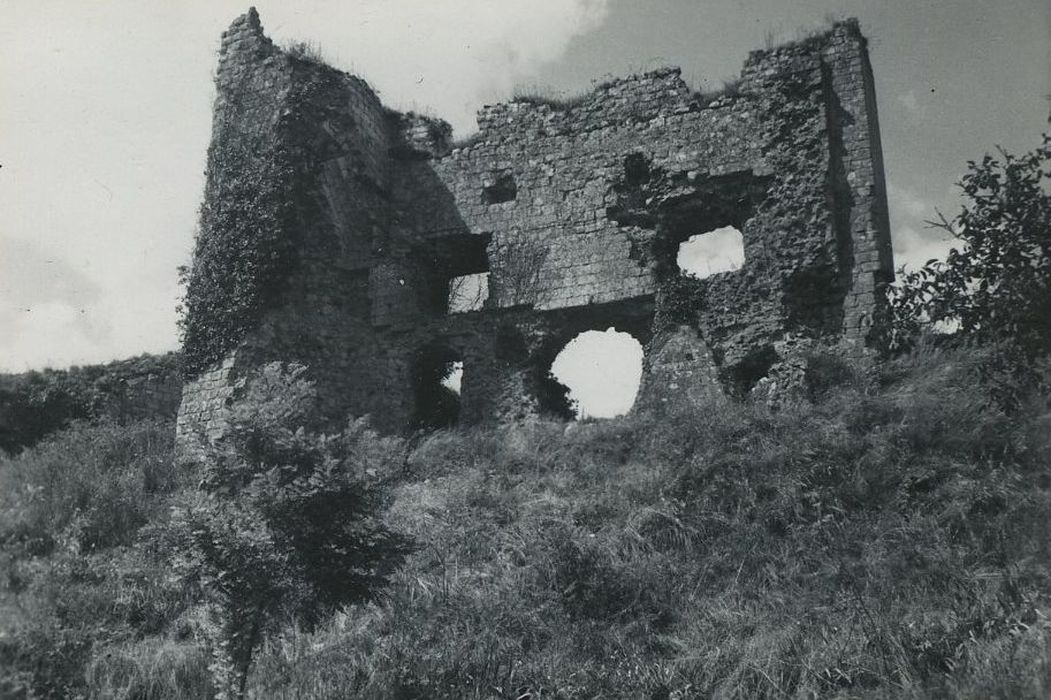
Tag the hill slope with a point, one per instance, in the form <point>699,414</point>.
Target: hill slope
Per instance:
<point>890,538</point>
<point>886,537</point>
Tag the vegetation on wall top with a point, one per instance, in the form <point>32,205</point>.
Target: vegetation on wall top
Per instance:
<point>36,404</point>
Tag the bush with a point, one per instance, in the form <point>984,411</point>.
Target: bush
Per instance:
<point>995,288</point>
<point>283,526</point>
<point>92,486</point>
<point>36,404</point>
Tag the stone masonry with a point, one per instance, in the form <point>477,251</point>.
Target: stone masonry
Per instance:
<point>570,215</point>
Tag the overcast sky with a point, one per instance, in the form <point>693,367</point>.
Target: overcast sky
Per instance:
<point>105,116</point>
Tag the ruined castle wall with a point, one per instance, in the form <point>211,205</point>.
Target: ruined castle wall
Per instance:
<point>575,210</point>
<point>342,220</point>
<point>565,161</point>
<point>860,157</point>
<point>339,285</point>
<point>799,124</point>
<point>253,82</point>
<point>340,131</point>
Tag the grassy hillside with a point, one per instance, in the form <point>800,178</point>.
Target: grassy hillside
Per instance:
<point>887,537</point>
<point>76,574</point>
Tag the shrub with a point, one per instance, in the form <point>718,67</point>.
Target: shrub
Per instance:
<point>996,287</point>
<point>283,526</point>
<point>36,404</point>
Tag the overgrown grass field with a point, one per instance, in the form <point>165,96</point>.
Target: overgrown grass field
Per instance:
<point>886,536</point>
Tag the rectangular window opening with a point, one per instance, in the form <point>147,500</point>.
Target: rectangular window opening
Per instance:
<point>499,188</point>
<point>468,292</point>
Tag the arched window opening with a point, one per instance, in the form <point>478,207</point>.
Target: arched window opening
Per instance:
<point>706,254</point>
<point>602,370</point>
<point>437,377</point>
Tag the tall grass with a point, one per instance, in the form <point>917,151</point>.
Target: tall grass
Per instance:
<point>75,576</point>
<point>884,538</point>
<point>93,485</point>
<point>153,668</point>
<point>888,541</point>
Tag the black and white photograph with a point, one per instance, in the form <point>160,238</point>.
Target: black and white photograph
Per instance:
<point>525,349</point>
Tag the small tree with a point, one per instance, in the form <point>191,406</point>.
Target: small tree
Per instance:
<point>283,525</point>
<point>519,275</point>
<point>996,287</point>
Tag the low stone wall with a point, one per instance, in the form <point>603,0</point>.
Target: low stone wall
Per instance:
<point>35,404</point>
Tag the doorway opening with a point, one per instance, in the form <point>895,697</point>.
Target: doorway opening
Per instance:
<point>437,378</point>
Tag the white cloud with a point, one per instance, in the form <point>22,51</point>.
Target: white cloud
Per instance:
<point>39,335</point>
<point>446,58</point>
<point>912,104</point>
<point>106,118</point>
<point>914,247</point>
<point>914,241</point>
<point>44,302</point>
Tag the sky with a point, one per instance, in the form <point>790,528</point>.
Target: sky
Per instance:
<point>105,111</point>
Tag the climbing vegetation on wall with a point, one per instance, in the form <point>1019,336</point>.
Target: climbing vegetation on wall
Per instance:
<point>242,254</point>
<point>256,204</point>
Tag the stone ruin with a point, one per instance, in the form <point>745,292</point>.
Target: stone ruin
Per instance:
<point>414,251</point>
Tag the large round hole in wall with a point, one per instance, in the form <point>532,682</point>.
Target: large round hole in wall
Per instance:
<point>602,370</point>
<point>706,254</point>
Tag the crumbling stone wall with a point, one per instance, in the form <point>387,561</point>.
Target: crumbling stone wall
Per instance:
<point>575,211</point>
<point>37,403</point>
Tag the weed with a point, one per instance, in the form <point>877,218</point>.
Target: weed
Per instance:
<point>537,95</point>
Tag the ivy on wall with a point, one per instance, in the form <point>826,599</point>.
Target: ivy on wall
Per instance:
<point>242,253</point>
<point>257,202</point>
<point>680,299</point>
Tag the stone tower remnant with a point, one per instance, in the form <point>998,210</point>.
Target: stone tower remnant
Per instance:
<point>339,233</point>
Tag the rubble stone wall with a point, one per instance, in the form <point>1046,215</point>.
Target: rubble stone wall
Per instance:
<point>575,210</point>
